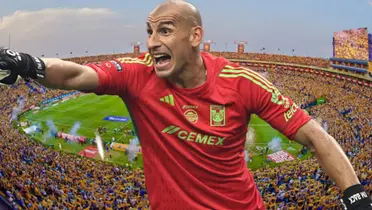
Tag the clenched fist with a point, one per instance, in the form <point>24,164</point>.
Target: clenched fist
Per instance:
<point>14,64</point>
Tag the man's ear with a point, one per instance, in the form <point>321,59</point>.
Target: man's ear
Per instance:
<point>196,36</point>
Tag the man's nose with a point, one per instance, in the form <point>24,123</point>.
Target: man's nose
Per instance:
<point>153,41</point>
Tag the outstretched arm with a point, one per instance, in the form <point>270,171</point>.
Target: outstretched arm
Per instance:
<point>334,162</point>
<point>53,72</point>
<point>264,99</point>
<point>114,77</point>
<point>67,75</point>
<point>330,155</point>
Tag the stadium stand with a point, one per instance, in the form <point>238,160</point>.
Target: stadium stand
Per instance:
<point>348,68</point>
<point>37,177</point>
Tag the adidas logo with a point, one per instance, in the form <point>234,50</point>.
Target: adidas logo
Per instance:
<point>168,99</point>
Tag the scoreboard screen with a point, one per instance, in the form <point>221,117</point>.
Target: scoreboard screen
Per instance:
<point>351,44</point>
<point>370,46</point>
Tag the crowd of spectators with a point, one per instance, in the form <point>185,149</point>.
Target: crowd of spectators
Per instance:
<point>309,61</point>
<point>352,44</point>
<point>98,58</point>
<point>33,176</point>
<point>302,184</point>
<point>37,177</point>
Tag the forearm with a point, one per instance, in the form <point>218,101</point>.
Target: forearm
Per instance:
<point>62,74</point>
<point>332,159</point>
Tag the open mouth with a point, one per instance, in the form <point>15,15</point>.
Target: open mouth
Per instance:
<point>162,60</point>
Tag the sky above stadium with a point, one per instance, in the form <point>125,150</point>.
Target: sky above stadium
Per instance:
<point>62,26</point>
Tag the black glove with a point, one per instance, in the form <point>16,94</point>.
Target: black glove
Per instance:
<point>356,198</point>
<point>13,64</point>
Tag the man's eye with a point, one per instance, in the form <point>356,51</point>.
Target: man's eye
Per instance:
<point>149,32</point>
<point>164,31</point>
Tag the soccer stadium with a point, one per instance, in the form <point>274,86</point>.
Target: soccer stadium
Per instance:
<point>67,150</point>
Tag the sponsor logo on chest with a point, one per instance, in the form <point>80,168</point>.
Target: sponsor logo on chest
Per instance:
<point>191,114</point>
<point>195,137</point>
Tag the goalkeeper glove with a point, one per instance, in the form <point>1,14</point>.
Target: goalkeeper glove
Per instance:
<point>356,198</point>
<point>13,64</point>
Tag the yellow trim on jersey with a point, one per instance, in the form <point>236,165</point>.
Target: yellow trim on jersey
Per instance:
<point>250,72</point>
<point>147,60</point>
<point>256,79</point>
<point>247,77</point>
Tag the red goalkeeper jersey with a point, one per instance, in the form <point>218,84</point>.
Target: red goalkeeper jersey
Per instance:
<point>193,139</point>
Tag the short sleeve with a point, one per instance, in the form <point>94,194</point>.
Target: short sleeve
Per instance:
<point>120,76</point>
<point>265,100</point>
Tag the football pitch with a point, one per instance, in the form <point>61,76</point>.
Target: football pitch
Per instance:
<point>86,114</point>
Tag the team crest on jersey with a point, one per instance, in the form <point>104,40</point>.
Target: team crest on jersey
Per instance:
<point>191,115</point>
<point>217,115</point>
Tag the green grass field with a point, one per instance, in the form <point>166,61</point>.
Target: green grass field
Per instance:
<point>89,110</point>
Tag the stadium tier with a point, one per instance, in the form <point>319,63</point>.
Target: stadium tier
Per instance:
<point>352,51</point>
<point>55,170</point>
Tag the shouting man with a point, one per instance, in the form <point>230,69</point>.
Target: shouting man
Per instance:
<point>191,112</point>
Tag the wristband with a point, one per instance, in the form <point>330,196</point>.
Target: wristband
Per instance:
<point>356,198</point>
<point>35,67</point>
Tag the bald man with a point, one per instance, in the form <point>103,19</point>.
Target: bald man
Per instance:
<point>191,111</point>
